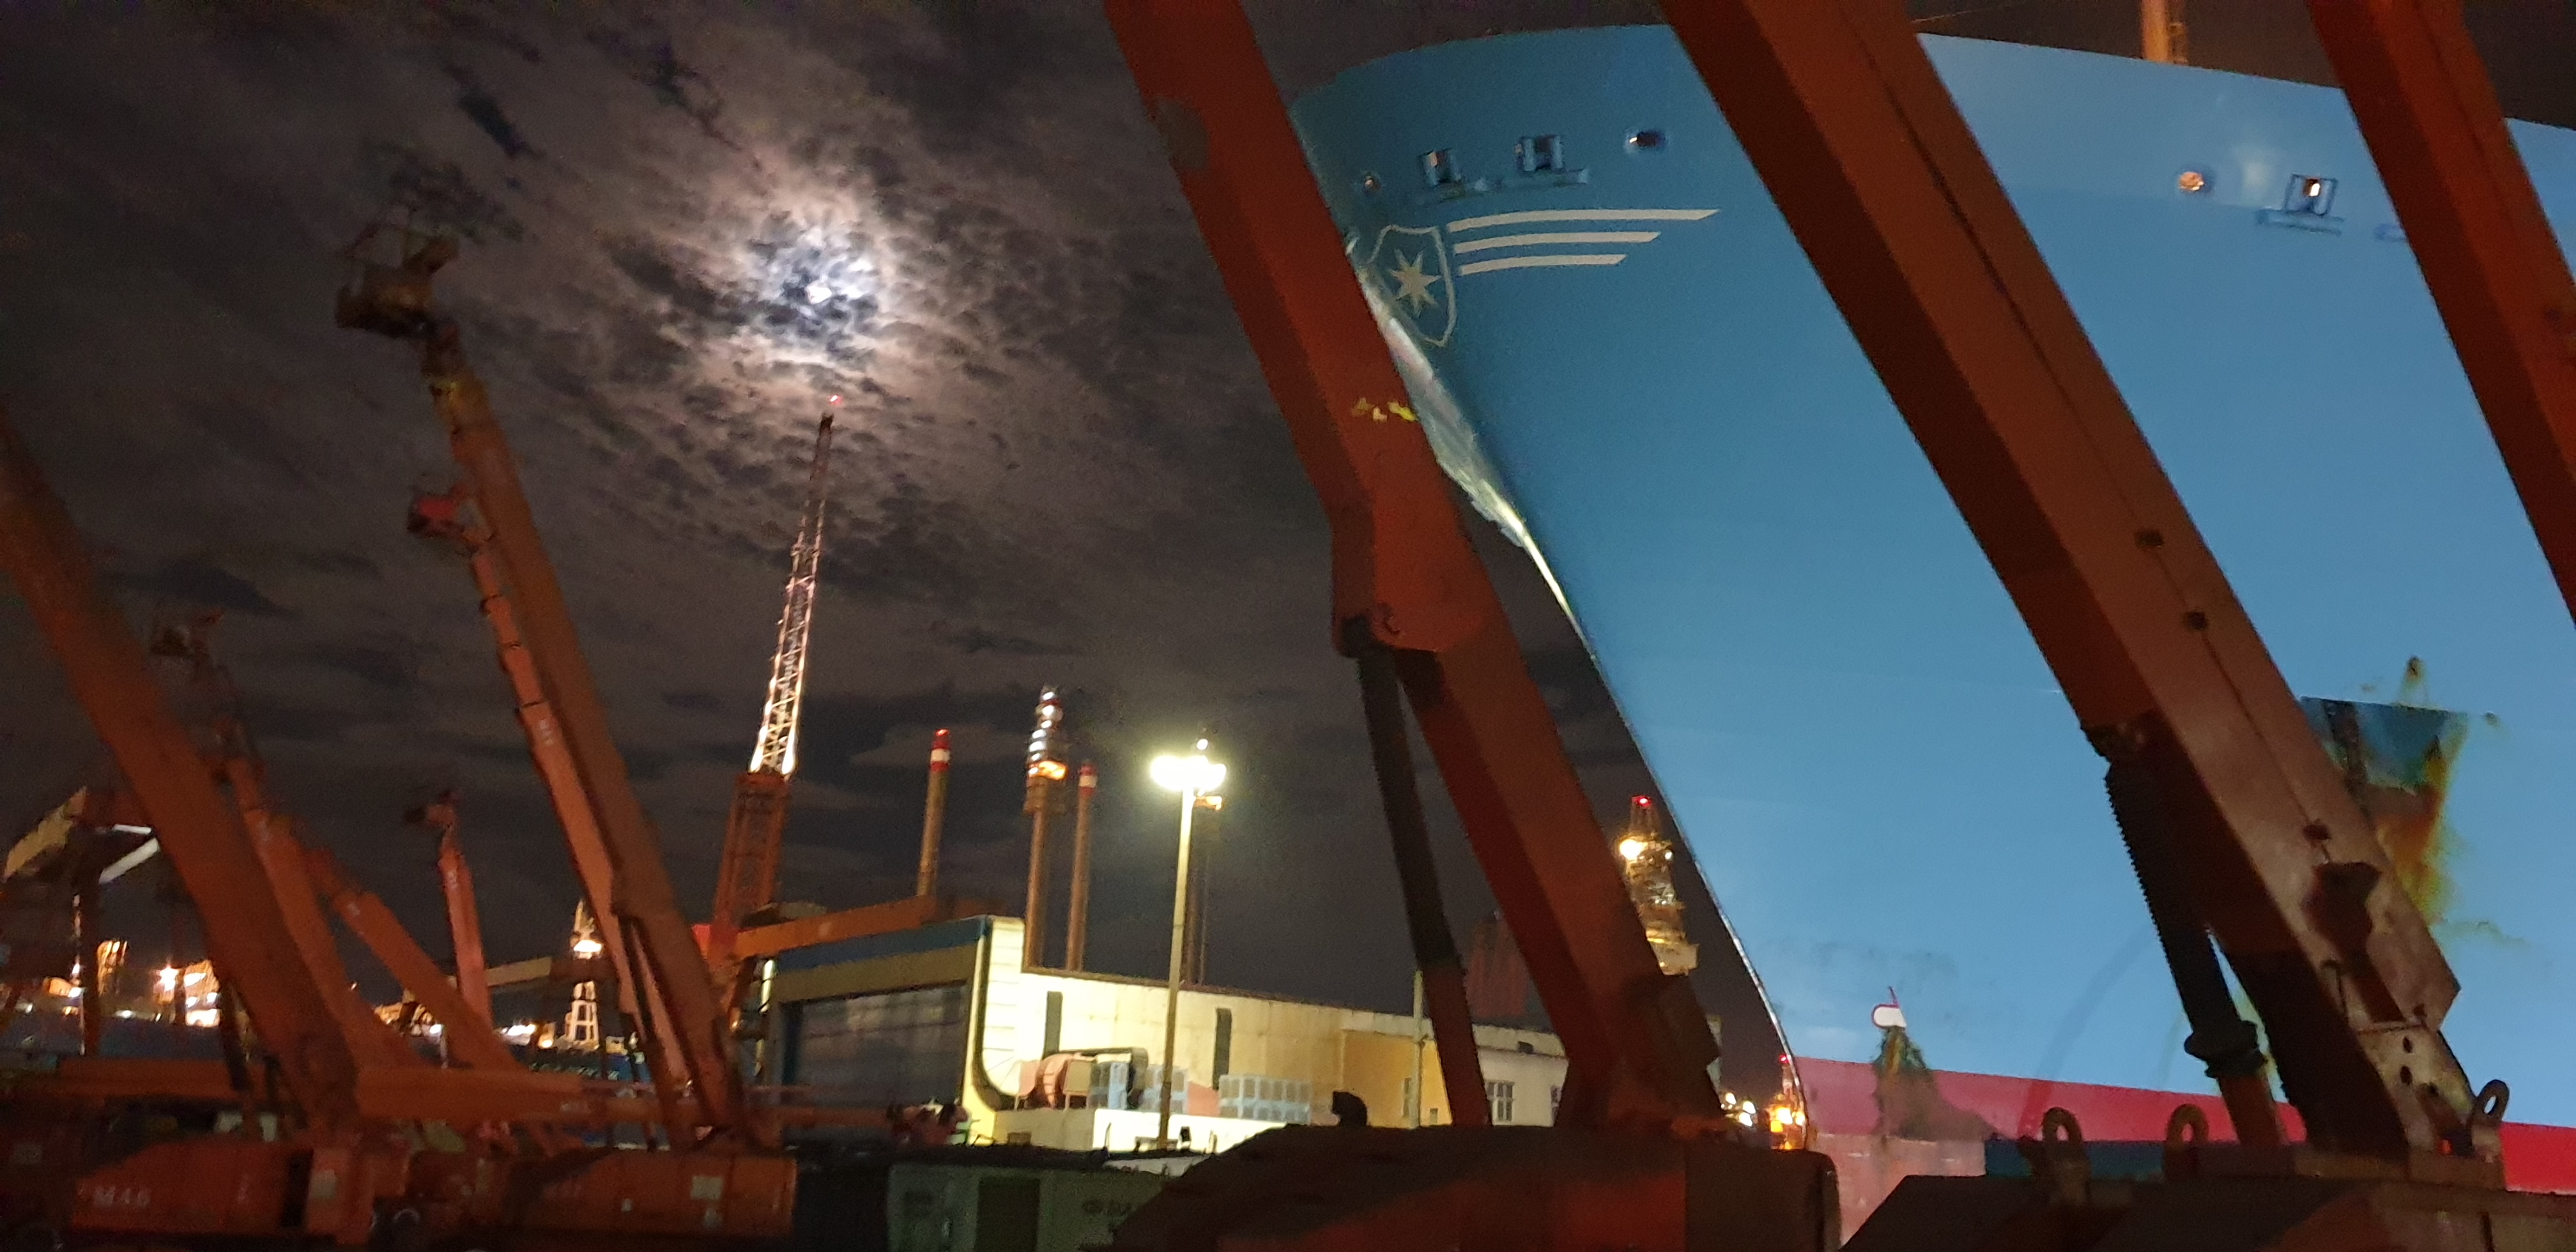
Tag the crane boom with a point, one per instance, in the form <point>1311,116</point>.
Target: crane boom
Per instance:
<point>747,869</point>
<point>446,517</point>
<point>776,749</point>
<point>397,301</point>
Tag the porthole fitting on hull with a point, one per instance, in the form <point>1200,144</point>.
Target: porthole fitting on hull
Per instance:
<point>1649,140</point>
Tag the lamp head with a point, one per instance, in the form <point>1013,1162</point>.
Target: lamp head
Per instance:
<point>1193,773</point>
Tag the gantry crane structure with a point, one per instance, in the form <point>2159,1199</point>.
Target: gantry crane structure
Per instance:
<point>345,1085</point>
<point>694,1076</point>
<point>341,1088</point>
<point>451,517</point>
<point>747,871</point>
<point>2239,827</point>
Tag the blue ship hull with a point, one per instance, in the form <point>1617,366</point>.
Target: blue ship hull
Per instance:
<point>1625,358</point>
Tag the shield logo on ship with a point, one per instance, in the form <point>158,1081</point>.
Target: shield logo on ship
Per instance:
<point>1408,270</point>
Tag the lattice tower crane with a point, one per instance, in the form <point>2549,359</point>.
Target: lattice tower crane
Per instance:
<point>747,878</point>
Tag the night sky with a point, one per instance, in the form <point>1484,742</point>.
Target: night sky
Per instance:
<point>684,226</point>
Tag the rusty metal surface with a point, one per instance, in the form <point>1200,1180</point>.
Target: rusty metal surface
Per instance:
<point>1636,1044</point>
<point>202,835</point>
<point>2474,220</point>
<point>1869,160</point>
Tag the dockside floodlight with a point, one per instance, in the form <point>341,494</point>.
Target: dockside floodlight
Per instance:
<point>1194,774</point>
<point>1196,778</point>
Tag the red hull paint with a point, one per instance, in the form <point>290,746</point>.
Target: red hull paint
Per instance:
<point>1842,1100</point>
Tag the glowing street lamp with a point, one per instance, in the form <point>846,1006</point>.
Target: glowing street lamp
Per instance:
<point>1196,778</point>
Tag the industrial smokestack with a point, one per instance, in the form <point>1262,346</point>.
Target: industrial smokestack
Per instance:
<point>1046,769</point>
<point>1078,923</point>
<point>934,811</point>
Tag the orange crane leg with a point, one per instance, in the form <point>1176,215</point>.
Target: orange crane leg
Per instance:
<point>2475,224</point>
<point>246,926</point>
<point>1637,1045</point>
<point>468,1030</point>
<point>681,999</point>
<point>440,516</point>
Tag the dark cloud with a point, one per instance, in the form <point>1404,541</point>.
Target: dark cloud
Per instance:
<point>486,114</point>
<point>199,580</point>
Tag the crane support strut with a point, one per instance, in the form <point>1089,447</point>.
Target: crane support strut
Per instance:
<point>1868,157</point>
<point>447,517</point>
<point>2472,216</point>
<point>397,301</point>
<point>1637,1045</point>
<point>201,834</point>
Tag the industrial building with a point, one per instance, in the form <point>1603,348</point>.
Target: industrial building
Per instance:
<point>949,1014</point>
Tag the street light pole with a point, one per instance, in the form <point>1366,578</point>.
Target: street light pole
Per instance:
<point>1172,988</point>
<point>1195,777</point>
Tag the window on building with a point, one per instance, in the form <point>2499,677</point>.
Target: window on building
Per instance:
<point>1498,1103</point>
<point>1054,1024</point>
<point>1224,1043</point>
<point>899,1047</point>
<point>1266,1099</point>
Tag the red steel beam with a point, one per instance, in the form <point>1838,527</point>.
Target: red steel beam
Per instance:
<point>909,913</point>
<point>468,1031</point>
<point>574,813</point>
<point>246,929</point>
<point>2474,220</point>
<point>464,914</point>
<point>1636,1043</point>
<point>1869,159</point>
<point>281,857</point>
<point>657,929</point>
<point>747,868</point>
<point>680,995</point>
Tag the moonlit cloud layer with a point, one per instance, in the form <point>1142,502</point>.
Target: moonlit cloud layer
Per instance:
<point>685,228</point>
